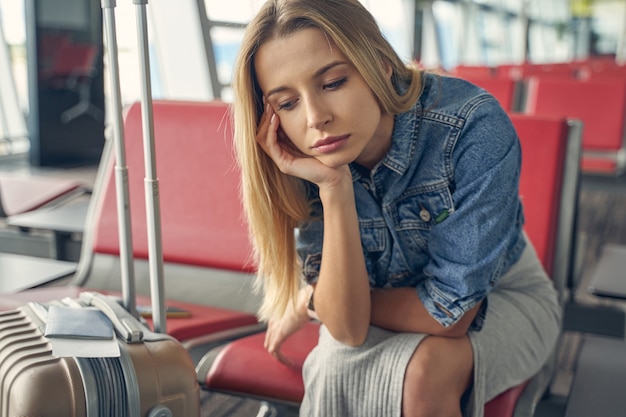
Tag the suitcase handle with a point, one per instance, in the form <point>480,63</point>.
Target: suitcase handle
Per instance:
<point>126,326</point>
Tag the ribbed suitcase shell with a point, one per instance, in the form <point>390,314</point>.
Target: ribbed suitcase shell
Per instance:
<point>34,383</point>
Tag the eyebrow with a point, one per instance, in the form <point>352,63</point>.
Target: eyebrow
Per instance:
<point>317,74</point>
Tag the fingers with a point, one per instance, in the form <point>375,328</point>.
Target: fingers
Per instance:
<point>272,344</point>
<point>274,142</point>
<point>266,133</point>
<point>278,355</point>
<point>272,341</point>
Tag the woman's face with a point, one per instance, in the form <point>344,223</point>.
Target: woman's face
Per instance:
<point>323,103</point>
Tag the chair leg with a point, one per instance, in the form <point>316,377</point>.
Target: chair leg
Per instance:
<point>84,106</point>
<point>267,410</point>
<point>79,109</point>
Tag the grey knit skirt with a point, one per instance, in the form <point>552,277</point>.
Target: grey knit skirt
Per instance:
<point>519,333</point>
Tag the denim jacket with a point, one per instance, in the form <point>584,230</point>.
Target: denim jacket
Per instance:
<point>440,212</point>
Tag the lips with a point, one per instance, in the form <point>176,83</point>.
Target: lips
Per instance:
<point>330,143</point>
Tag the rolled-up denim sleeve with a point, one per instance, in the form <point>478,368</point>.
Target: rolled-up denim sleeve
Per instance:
<point>475,244</point>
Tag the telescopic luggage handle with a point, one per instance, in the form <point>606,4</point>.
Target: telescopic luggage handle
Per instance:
<point>126,326</point>
<point>153,214</point>
<point>124,323</point>
<point>121,169</point>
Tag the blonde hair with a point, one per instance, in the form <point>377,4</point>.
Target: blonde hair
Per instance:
<point>275,203</point>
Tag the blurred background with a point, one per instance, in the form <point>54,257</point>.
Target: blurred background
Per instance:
<point>52,88</point>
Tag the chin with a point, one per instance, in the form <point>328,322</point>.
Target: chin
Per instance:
<point>335,161</point>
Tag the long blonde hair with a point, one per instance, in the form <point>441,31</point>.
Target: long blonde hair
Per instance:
<point>275,203</point>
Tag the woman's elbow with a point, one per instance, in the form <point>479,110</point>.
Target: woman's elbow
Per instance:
<point>457,329</point>
<point>349,336</point>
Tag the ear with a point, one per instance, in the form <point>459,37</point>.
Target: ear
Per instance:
<point>388,70</point>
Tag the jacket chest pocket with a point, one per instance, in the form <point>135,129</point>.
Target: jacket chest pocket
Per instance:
<point>416,213</point>
<point>374,239</point>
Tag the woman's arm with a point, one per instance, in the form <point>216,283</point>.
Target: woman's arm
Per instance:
<point>342,292</point>
<point>401,310</point>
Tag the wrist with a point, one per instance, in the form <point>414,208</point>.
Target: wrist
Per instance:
<point>304,298</point>
<point>338,189</point>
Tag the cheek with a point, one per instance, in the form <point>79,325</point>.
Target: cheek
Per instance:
<point>290,131</point>
<point>369,103</point>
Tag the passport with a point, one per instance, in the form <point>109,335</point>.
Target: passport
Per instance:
<point>78,323</point>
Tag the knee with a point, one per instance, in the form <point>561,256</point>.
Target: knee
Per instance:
<point>436,377</point>
<point>421,373</point>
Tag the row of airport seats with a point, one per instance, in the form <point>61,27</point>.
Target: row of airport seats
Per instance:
<point>595,67</point>
<point>207,253</point>
<point>593,91</point>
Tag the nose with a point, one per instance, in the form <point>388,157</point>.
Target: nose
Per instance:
<point>317,113</point>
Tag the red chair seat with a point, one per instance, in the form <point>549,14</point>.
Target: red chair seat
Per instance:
<point>245,366</point>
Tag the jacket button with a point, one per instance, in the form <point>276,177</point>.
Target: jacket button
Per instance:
<point>425,215</point>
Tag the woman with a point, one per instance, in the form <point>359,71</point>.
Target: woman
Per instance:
<point>385,199</point>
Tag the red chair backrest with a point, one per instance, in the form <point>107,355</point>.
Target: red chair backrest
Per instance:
<point>544,143</point>
<point>201,214</point>
<point>599,104</point>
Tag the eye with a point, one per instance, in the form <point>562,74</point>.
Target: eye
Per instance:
<point>286,105</point>
<point>335,84</point>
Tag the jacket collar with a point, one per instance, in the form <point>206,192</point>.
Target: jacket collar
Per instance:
<point>402,150</point>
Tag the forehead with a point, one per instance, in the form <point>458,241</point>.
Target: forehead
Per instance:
<point>294,57</point>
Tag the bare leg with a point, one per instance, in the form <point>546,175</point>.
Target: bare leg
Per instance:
<point>439,372</point>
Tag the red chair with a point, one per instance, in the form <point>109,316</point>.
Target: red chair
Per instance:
<point>205,239</point>
<point>600,104</point>
<point>548,188</point>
